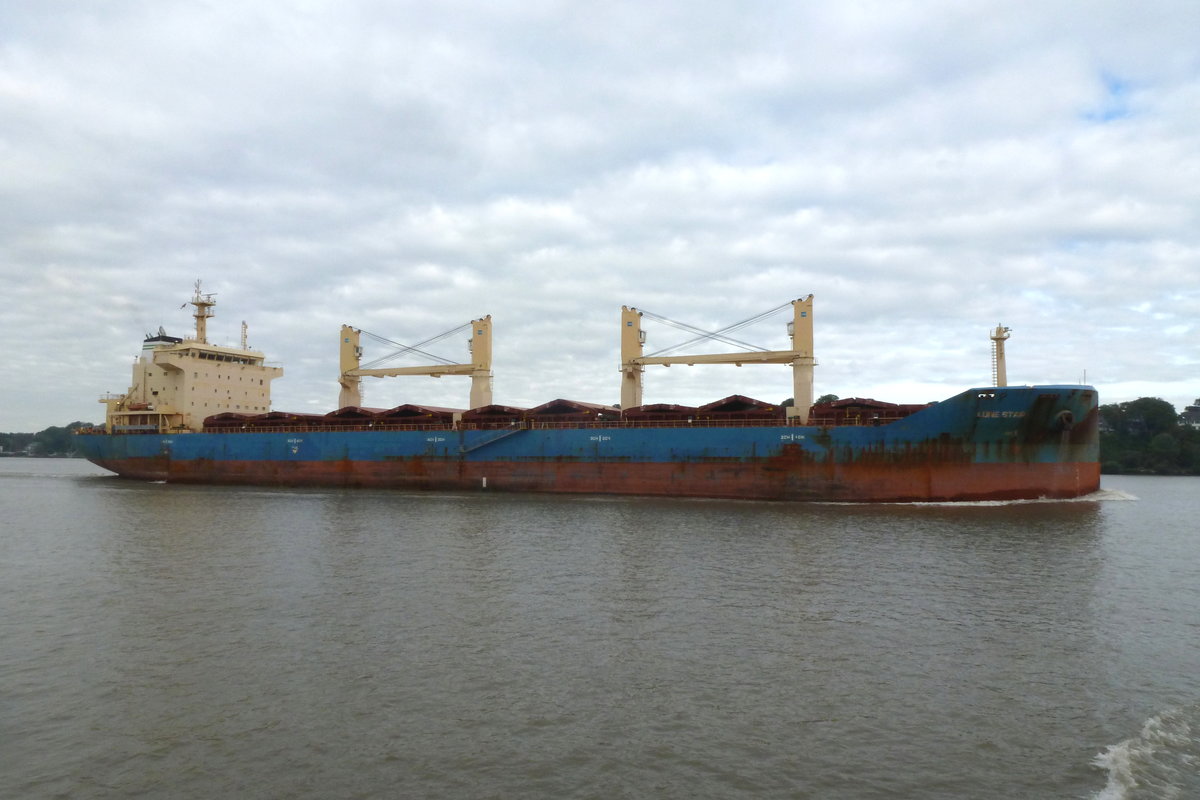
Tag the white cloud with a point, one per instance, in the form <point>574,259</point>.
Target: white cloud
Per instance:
<point>405,167</point>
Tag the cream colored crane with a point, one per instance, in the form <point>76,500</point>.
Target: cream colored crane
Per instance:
<point>800,329</point>
<point>999,367</point>
<point>479,369</point>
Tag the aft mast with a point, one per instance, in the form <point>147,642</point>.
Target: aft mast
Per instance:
<point>204,309</point>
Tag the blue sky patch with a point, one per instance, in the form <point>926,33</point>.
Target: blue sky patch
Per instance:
<point>1114,104</point>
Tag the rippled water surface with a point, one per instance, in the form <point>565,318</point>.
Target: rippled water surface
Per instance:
<point>175,641</point>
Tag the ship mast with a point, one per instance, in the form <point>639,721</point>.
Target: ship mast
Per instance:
<point>999,368</point>
<point>204,309</point>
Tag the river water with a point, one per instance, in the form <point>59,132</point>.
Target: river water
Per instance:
<point>196,642</point>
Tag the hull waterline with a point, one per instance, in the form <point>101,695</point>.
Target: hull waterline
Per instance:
<point>984,444</point>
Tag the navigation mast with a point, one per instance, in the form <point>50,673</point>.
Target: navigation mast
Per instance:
<point>204,309</point>
<point>999,369</point>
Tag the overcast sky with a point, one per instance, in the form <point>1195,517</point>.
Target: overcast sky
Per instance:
<point>926,170</point>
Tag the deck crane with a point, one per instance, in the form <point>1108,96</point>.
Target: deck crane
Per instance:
<point>800,330</point>
<point>479,369</point>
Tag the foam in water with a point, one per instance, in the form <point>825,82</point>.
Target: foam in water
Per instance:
<point>1109,494</point>
<point>1160,762</point>
<point>1100,495</point>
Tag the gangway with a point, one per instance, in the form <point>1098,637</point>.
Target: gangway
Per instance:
<point>502,433</point>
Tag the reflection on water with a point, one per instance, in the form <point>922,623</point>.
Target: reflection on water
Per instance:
<point>195,641</point>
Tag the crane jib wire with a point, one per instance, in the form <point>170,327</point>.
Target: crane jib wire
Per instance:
<point>404,349</point>
<point>703,335</point>
<point>718,334</point>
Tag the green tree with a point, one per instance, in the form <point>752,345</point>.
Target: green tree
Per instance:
<point>825,398</point>
<point>1153,415</point>
<point>1164,445</point>
<point>52,441</point>
<point>1145,436</point>
<point>1147,416</point>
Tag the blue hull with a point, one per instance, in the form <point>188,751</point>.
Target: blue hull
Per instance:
<point>988,443</point>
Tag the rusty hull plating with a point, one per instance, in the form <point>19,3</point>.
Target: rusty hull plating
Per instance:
<point>998,443</point>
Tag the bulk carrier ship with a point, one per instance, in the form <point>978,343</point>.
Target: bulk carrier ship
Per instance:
<point>201,413</point>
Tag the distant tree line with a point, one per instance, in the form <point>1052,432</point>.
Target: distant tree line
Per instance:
<point>825,398</point>
<point>1147,437</point>
<point>53,441</point>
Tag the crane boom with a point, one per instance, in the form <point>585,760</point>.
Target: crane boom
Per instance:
<point>479,369</point>
<point>800,329</point>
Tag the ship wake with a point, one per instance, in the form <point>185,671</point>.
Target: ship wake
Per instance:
<point>1160,762</point>
<point>1101,495</point>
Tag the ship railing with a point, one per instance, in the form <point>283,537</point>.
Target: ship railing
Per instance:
<point>665,423</point>
<point>852,421</point>
<point>817,422</point>
<point>820,422</point>
<point>324,428</point>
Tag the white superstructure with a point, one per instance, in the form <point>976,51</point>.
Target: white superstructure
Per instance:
<point>177,383</point>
